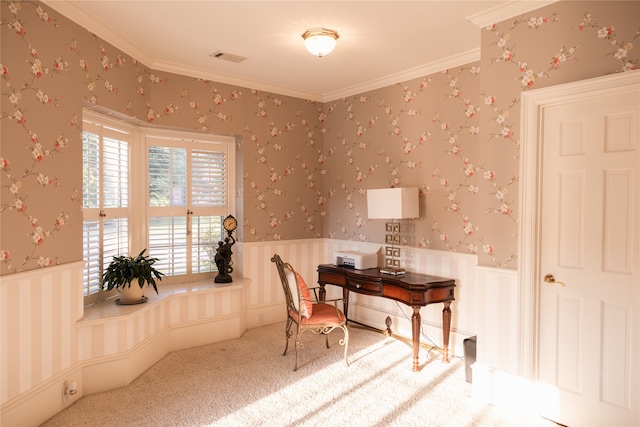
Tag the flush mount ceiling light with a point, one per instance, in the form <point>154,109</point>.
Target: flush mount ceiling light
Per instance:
<point>320,41</point>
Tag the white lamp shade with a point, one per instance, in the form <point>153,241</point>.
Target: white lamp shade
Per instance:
<point>393,203</point>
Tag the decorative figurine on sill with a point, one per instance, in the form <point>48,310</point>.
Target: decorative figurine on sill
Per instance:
<point>223,252</point>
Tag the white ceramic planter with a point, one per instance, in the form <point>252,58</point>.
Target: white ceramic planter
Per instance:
<point>133,294</point>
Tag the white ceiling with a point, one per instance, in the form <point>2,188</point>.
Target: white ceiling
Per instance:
<point>381,42</point>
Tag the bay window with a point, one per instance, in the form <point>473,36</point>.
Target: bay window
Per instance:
<point>167,191</point>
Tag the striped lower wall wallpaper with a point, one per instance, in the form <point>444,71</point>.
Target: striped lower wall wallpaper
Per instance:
<point>43,332</point>
<point>303,255</point>
<point>109,337</point>
<point>38,311</point>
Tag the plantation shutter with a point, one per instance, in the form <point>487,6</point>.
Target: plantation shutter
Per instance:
<point>208,178</point>
<point>188,198</point>
<point>105,201</point>
<point>208,189</point>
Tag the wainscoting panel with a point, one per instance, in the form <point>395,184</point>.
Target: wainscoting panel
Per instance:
<point>265,298</point>
<point>48,337</point>
<point>498,319</point>
<point>37,312</point>
<point>116,330</point>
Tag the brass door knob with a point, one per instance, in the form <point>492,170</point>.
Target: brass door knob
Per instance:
<point>550,278</point>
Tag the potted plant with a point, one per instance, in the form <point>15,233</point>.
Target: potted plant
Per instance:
<point>124,270</point>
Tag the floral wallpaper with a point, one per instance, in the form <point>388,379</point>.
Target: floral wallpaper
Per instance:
<point>421,134</point>
<point>563,42</point>
<point>304,166</point>
<point>455,134</point>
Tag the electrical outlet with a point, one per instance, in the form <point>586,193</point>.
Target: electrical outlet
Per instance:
<point>69,388</point>
<point>260,317</point>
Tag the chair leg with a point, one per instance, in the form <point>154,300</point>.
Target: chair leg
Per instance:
<point>288,334</point>
<point>346,343</point>
<point>295,367</point>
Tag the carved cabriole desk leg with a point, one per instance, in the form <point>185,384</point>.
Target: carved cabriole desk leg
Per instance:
<point>446,327</point>
<point>323,293</point>
<point>415,329</point>
<point>345,298</point>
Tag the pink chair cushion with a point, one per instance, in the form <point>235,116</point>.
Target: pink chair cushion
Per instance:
<point>322,313</point>
<point>307,305</point>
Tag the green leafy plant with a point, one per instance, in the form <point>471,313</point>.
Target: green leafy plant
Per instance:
<point>125,269</point>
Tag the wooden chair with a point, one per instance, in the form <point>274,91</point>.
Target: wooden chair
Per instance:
<point>308,314</point>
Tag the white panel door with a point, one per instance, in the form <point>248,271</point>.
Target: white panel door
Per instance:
<point>589,325</point>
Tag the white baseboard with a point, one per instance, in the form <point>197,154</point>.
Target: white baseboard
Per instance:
<point>265,314</point>
<point>41,402</point>
<point>107,373</point>
<point>503,389</point>
<point>118,371</point>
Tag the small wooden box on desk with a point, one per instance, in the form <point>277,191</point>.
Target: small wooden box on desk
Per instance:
<point>413,289</point>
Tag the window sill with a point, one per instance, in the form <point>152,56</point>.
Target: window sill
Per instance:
<point>108,309</point>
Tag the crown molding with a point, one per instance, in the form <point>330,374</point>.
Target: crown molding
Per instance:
<point>506,11</point>
<point>496,14</point>
<point>94,26</point>
<point>414,73</point>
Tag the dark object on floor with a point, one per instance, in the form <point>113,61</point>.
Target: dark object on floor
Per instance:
<point>469,345</point>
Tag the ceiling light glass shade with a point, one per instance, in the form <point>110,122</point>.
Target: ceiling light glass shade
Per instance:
<point>320,41</point>
<point>393,203</point>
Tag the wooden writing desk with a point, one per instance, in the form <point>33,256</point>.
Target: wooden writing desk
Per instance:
<point>415,290</point>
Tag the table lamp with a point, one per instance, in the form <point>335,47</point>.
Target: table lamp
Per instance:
<point>393,204</point>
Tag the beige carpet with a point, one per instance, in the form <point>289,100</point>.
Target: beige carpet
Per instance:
<point>247,382</point>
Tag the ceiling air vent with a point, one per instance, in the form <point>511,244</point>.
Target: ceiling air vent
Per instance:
<point>227,56</point>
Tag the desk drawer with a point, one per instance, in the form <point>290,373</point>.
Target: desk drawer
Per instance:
<point>331,278</point>
<point>365,286</point>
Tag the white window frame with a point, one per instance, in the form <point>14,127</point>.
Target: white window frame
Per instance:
<point>106,127</point>
<point>138,197</point>
<point>173,138</point>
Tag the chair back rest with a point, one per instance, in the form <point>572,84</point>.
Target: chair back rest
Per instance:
<point>289,283</point>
